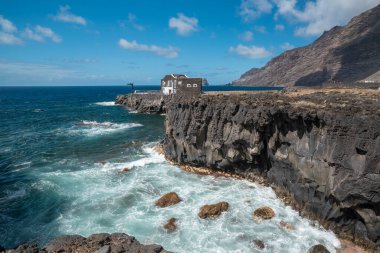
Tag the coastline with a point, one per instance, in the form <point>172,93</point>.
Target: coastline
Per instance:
<point>323,104</point>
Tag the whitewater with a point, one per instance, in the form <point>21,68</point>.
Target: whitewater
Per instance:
<point>62,172</point>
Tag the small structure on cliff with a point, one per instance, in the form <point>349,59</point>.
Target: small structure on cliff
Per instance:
<point>181,84</point>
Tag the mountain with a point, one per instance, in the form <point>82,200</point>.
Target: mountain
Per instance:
<point>345,54</point>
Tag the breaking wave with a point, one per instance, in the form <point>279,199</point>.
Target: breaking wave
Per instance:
<point>106,103</point>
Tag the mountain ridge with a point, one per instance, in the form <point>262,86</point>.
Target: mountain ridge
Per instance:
<point>344,54</point>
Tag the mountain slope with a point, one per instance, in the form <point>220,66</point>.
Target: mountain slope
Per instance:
<point>344,54</point>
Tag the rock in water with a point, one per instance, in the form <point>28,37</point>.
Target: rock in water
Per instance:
<point>126,169</point>
<point>259,244</point>
<point>286,225</point>
<point>318,249</point>
<point>168,199</point>
<point>170,225</point>
<point>213,211</point>
<point>263,213</point>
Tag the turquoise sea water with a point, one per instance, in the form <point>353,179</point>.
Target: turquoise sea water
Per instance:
<point>62,152</point>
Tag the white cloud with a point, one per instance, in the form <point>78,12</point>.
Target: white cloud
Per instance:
<point>39,33</point>
<point>246,36</point>
<point>168,52</point>
<point>14,72</point>
<point>251,9</point>
<point>183,24</point>
<point>64,15</point>
<point>7,30</point>
<point>48,33</point>
<point>287,46</point>
<point>322,15</point>
<point>279,27</point>
<point>9,39</point>
<point>6,25</point>
<point>27,73</point>
<point>133,21</point>
<point>260,28</point>
<point>28,33</point>
<point>252,52</point>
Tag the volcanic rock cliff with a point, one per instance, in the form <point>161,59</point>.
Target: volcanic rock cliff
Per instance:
<point>321,147</point>
<point>344,54</point>
<point>142,103</point>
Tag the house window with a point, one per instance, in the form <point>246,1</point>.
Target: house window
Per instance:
<point>179,82</point>
<point>195,85</point>
<point>188,85</point>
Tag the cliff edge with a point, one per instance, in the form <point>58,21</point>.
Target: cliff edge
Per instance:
<point>345,54</point>
<point>322,147</point>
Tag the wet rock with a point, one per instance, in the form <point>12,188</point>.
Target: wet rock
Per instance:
<point>263,213</point>
<point>170,225</point>
<point>168,199</point>
<point>213,211</point>
<point>97,243</point>
<point>259,244</point>
<point>104,249</point>
<point>25,248</point>
<point>318,249</point>
<point>126,169</point>
<point>286,225</point>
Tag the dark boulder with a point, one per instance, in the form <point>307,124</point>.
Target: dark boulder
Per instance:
<point>213,211</point>
<point>263,213</point>
<point>259,244</point>
<point>318,249</point>
<point>170,225</point>
<point>168,199</point>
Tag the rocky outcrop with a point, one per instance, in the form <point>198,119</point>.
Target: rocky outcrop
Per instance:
<point>170,225</point>
<point>99,243</point>
<point>344,54</point>
<point>263,213</point>
<point>168,199</point>
<point>318,249</point>
<point>142,103</point>
<point>321,147</point>
<point>213,211</point>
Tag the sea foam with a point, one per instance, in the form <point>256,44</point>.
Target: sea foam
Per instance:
<point>106,103</point>
<point>94,128</point>
<point>124,202</point>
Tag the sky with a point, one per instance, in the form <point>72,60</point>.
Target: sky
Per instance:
<point>98,42</point>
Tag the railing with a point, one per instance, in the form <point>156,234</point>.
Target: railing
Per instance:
<point>147,92</point>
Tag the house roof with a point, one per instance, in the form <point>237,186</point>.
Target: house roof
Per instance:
<point>175,76</point>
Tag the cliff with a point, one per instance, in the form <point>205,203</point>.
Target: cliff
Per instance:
<point>142,103</point>
<point>344,54</point>
<point>322,147</point>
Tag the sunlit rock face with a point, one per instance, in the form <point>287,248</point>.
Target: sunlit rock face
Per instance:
<point>345,54</point>
<point>323,149</point>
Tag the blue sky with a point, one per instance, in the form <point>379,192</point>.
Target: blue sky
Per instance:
<point>112,42</point>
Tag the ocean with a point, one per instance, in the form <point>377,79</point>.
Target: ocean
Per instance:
<point>62,155</point>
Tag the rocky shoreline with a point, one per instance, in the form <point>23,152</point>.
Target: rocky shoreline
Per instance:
<point>320,149</point>
<point>96,243</point>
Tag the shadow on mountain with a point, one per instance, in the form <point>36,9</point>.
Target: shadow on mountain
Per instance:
<point>360,58</point>
<point>314,79</point>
